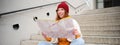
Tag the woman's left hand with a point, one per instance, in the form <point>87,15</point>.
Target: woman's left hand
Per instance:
<point>75,32</point>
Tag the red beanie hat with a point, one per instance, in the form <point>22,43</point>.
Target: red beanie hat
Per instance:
<point>64,6</point>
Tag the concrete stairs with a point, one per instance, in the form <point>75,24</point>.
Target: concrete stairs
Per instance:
<point>34,40</point>
<point>99,27</point>
<point>99,11</point>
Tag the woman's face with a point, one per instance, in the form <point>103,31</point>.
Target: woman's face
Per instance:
<point>61,12</point>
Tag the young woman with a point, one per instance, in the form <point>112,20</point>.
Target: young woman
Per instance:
<point>63,12</point>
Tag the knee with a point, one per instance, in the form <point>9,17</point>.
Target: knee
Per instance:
<point>81,40</point>
<point>78,41</point>
<point>42,43</point>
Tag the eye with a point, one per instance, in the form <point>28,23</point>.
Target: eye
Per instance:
<point>62,9</point>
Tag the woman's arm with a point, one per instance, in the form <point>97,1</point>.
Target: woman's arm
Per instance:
<point>76,33</point>
<point>46,37</point>
<point>76,30</point>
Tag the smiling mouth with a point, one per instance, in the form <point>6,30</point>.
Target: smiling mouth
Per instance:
<point>61,16</point>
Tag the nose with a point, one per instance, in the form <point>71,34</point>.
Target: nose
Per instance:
<point>59,12</point>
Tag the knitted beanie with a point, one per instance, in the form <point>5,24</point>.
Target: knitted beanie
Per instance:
<point>64,6</point>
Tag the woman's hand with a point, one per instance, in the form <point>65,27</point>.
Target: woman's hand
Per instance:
<point>76,33</point>
<point>46,37</point>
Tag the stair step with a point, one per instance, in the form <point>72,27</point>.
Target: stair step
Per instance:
<point>35,42</point>
<point>98,15</point>
<point>99,21</point>
<point>29,42</point>
<point>98,12</point>
<point>37,37</point>
<point>114,28</point>
<point>104,10</point>
<point>100,44</point>
<point>111,33</point>
<point>101,39</point>
<point>97,44</point>
<point>100,24</point>
<point>107,16</point>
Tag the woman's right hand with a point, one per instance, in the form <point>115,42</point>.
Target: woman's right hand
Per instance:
<point>46,37</point>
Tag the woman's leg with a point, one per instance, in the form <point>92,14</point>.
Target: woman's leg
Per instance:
<point>78,41</point>
<point>44,43</point>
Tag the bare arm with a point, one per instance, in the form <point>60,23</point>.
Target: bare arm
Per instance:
<point>46,37</point>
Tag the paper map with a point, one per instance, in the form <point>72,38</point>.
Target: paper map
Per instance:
<point>61,29</point>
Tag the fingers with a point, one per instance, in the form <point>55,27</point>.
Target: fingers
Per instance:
<point>75,32</point>
<point>43,34</point>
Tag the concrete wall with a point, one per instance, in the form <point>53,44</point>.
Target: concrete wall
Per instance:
<point>27,26</point>
<point>12,5</point>
<point>91,4</point>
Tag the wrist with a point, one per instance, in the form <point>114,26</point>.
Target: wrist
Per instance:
<point>48,39</point>
<point>77,36</point>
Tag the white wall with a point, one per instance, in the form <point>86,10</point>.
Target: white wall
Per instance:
<point>91,4</point>
<point>12,5</point>
<point>9,36</point>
